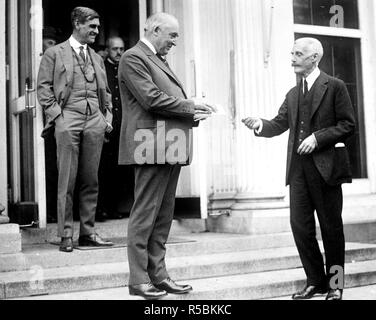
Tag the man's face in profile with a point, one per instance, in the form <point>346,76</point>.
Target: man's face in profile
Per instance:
<point>167,36</point>
<point>303,58</point>
<point>88,31</point>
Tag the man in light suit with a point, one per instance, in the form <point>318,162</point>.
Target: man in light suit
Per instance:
<point>320,116</point>
<point>73,91</point>
<point>155,138</point>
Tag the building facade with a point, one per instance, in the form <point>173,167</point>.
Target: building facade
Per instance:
<point>233,53</point>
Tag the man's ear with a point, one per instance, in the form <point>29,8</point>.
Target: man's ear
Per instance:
<point>156,31</point>
<point>76,24</point>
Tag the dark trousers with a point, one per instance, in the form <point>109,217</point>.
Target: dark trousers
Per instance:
<point>110,178</point>
<point>150,222</point>
<point>79,140</point>
<point>309,192</point>
<point>51,175</point>
<point>116,183</point>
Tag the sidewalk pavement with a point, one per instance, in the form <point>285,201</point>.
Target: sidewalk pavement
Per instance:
<point>360,293</point>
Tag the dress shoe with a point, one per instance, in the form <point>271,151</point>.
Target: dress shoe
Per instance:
<point>66,245</point>
<point>93,241</point>
<point>171,286</point>
<point>334,294</point>
<point>308,292</point>
<point>147,291</point>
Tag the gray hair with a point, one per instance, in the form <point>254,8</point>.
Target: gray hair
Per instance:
<point>157,20</point>
<point>314,45</point>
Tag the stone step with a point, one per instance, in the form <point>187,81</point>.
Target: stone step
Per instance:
<point>108,229</point>
<point>48,256</point>
<point>367,292</point>
<point>39,281</point>
<point>270,284</point>
<point>10,239</point>
<point>264,285</point>
<point>358,218</point>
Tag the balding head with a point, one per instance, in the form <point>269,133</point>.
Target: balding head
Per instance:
<point>110,41</point>
<point>115,49</point>
<point>313,46</point>
<point>159,20</point>
<point>162,30</point>
<point>306,55</point>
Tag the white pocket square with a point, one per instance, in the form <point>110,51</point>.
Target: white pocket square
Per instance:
<point>339,145</point>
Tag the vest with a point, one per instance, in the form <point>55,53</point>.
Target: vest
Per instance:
<point>303,129</point>
<point>84,95</point>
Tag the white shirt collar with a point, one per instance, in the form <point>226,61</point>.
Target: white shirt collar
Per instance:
<point>312,78</point>
<point>111,62</point>
<point>76,45</point>
<point>149,44</point>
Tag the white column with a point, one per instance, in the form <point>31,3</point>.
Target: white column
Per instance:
<point>3,113</point>
<point>10,237</point>
<point>260,204</point>
<point>142,10</point>
<point>260,163</point>
<point>156,6</point>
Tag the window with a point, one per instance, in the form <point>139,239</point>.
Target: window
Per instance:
<point>321,12</point>
<point>342,59</point>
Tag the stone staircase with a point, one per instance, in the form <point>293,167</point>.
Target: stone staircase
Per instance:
<point>219,266</point>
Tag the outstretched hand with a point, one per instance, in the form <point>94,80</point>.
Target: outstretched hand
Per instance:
<point>252,123</point>
<point>204,108</point>
<point>203,111</point>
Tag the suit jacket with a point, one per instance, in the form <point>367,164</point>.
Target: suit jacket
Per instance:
<point>157,116</point>
<point>55,81</point>
<point>332,122</point>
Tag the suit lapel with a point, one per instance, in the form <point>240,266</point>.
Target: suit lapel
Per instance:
<point>318,95</point>
<point>295,105</point>
<point>159,63</point>
<point>67,57</point>
<point>97,68</point>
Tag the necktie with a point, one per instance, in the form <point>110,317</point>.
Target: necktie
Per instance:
<point>82,53</point>
<point>163,59</point>
<point>305,87</point>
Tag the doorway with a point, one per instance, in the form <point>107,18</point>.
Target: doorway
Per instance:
<point>118,18</point>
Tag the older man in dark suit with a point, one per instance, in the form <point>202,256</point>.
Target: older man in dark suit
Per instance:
<point>73,91</point>
<point>155,138</point>
<point>320,116</point>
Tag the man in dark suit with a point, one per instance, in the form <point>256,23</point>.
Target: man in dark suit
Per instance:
<point>320,116</point>
<point>73,91</point>
<point>111,177</point>
<point>155,138</point>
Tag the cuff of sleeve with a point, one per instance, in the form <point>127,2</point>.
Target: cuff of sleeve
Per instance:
<point>53,112</point>
<point>314,138</point>
<point>259,130</point>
